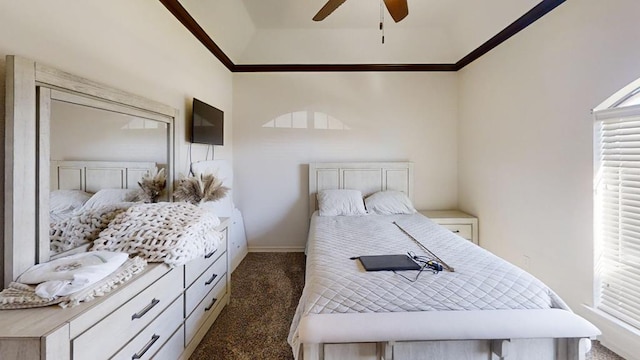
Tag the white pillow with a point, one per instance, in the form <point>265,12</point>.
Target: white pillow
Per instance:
<point>388,203</point>
<point>110,196</point>
<point>340,202</point>
<point>61,201</point>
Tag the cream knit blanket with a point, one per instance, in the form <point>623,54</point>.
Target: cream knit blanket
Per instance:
<point>174,233</point>
<point>83,227</point>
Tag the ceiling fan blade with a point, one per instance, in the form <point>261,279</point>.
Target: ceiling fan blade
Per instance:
<point>397,8</point>
<point>327,9</point>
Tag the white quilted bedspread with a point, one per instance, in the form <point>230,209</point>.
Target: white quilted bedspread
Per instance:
<point>336,284</point>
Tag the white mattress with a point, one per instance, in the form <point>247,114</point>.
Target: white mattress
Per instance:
<point>337,286</point>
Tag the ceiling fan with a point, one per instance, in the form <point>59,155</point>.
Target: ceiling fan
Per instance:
<point>397,8</point>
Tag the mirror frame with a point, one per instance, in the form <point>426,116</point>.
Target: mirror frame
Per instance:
<point>27,151</point>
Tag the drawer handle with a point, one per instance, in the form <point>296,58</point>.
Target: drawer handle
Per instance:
<point>210,254</point>
<point>146,348</point>
<point>141,313</point>
<point>211,280</point>
<point>455,231</point>
<point>211,305</point>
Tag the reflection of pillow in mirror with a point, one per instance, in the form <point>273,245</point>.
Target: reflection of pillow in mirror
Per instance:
<point>222,207</point>
<point>110,196</point>
<point>61,201</point>
<point>60,216</point>
<point>340,202</point>
<point>388,203</point>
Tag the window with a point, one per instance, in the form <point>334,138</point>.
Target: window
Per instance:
<point>300,119</point>
<point>617,208</point>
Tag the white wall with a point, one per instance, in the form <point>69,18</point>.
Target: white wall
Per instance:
<point>226,21</point>
<point>136,46</point>
<point>390,116</point>
<point>525,142</point>
<point>85,133</point>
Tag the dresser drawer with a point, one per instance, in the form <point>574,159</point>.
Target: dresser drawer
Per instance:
<point>173,348</point>
<point>194,268</point>
<point>462,230</point>
<point>211,305</point>
<point>207,281</point>
<point>108,335</point>
<point>152,338</point>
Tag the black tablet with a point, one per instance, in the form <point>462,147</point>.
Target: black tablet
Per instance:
<point>388,262</point>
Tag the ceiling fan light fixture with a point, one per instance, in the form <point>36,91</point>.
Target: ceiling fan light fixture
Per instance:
<point>382,20</point>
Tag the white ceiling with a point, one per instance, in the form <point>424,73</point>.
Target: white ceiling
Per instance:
<point>282,32</point>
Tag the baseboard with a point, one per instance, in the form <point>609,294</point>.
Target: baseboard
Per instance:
<point>276,248</point>
<point>619,337</point>
<point>238,259</point>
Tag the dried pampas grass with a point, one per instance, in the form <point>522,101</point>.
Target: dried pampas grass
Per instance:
<point>151,185</point>
<point>199,189</point>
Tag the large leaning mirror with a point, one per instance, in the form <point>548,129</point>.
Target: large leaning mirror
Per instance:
<point>68,140</point>
<point>97,158</point>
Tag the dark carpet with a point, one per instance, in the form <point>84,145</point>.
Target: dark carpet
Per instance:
<point>599,352</point>
<point>265,289</point>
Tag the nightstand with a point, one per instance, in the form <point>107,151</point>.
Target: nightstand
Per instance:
<point>463,224</point>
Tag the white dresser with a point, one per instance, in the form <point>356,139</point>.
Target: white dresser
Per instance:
<point>161,313</point>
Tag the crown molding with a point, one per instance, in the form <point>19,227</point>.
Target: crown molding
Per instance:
<point>343,67</point>
<point>515,27</point>
<point>537,12</point>
<point>192,25</point>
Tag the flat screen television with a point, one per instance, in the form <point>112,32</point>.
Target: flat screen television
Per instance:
<point>207,124</point>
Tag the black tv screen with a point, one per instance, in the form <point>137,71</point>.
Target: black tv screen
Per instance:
<point>207,124</point>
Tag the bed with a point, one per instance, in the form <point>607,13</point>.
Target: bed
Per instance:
<point>85,195</point>
<point>91,176</point>
<point>97,205</point>
<point>486,309</point>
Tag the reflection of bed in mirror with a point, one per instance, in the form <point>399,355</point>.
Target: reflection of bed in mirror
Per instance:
<point>92,176</point>
<point>77,202</point>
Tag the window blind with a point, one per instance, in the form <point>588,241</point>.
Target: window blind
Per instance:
<point>617,138</point>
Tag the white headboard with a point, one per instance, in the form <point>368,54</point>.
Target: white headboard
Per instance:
<point>368,177</point>
<point>92,176</point>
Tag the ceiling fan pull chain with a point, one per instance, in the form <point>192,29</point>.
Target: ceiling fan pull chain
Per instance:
<point>382,19</point>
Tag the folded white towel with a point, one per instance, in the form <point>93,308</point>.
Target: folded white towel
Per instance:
<point>53,288</point>
<point>72,273</point>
